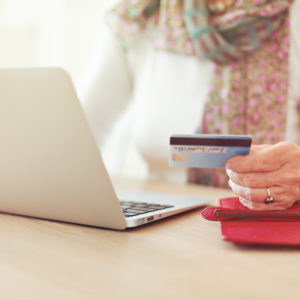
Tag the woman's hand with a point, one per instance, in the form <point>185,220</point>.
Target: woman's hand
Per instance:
<point>276,167</point>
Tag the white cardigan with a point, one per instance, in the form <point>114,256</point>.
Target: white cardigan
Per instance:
<point>167,92</point>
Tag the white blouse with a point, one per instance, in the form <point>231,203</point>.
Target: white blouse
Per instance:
<point>166,90</point>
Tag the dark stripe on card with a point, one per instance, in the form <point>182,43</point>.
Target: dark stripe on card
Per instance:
<point>223,142</point>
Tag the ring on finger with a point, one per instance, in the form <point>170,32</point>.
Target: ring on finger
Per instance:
<point>269,199</point>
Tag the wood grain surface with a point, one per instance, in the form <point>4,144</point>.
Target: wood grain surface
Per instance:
<point>182,257</point>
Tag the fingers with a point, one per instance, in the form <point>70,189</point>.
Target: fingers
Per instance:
<point>276,166</point>
<point>263,158</point>
<point>255,148</point>
<point>289,174</point>
<point>252,194</point>
<point>262,206</point>
<point>253,180</point>
<point>254,198</point>
<point>250,205</point>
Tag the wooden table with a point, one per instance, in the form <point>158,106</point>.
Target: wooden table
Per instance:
<point>182,257</point>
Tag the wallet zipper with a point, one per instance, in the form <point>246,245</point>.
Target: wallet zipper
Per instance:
<point>278,215</point>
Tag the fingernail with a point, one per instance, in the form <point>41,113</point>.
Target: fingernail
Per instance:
<point>229,172</point>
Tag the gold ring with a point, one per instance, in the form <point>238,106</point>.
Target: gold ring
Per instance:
<point>269,199</point>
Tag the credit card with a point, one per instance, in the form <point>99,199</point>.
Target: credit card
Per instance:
<point>206,150</point>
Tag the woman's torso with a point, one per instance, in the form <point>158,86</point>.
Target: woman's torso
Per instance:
<point>170,91</point>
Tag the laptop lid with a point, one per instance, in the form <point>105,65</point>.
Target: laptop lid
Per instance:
<point>50,166</point>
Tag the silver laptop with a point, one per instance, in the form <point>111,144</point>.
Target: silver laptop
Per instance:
<point>50,166</point>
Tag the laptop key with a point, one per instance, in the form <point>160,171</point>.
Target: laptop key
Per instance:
<point>131,208</point>
<point>156,207</point>
<point>141,204</point>
<point>127,203</point>
<point>126,207</point>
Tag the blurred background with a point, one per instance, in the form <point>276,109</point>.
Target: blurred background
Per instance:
<point>63,33</point>
<point>50,32</point>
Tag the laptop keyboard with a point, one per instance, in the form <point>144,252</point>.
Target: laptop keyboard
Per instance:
<point>131,208</point>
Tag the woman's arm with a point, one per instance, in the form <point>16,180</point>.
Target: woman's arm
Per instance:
<point>106,86</point>
<point>276,167</point>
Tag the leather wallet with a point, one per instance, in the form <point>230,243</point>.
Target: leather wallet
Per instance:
<point>242,225</point>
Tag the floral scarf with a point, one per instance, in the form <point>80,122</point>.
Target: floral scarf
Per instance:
<point>249,43</point>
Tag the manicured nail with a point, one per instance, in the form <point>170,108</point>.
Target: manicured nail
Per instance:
<point>229,172</point>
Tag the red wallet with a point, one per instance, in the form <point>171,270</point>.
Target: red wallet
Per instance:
<point>242,225</point>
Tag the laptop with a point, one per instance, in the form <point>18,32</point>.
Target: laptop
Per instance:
<point>50,165</point>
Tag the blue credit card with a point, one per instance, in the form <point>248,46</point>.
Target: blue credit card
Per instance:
<point>206,150</point>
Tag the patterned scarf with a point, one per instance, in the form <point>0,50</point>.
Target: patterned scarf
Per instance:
<point>249,43</point>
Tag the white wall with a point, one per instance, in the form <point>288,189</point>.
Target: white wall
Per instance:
<point>61,33</point>
<point>50,32</point>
